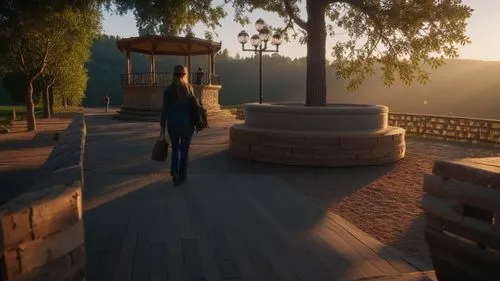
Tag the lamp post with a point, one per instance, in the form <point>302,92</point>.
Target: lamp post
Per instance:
<point>259,43</point>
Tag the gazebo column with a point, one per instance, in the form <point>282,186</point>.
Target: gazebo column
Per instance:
<point>189,68</point>
<point>189,60</point>
<point>209,66</point>
<point>152,69</point>
<point>129,69</point>
<point>212,63</point>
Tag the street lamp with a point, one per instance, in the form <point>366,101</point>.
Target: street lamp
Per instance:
<point>259,43</point>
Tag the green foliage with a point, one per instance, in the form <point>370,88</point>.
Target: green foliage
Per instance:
<point>171,16</point>
<point>398,37</point>
<point>34,35</point>
<point>6,111</point>
<point>32,32</point>
<point>54,44</point>
<point>67,74</point>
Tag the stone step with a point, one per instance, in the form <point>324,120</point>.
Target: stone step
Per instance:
<point>136,116</point>
<point>413,276</point>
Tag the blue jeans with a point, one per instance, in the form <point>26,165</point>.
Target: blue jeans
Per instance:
<point>180,138</point>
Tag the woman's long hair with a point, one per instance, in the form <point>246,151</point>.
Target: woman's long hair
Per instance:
<point>180,82</point>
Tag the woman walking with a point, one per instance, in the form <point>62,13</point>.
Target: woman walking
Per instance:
<point>178,114</point>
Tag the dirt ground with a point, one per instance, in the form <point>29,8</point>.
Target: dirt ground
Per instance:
<point>23,153</point>
<point>388,207</point>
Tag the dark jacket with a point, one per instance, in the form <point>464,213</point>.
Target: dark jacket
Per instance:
<point>175,111</point>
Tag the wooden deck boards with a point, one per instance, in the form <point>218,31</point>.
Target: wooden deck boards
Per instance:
<point>227,227</point>
<point>238,225</point>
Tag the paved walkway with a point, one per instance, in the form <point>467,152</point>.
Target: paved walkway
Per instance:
<point>23,153</point>
<point>233,220</point>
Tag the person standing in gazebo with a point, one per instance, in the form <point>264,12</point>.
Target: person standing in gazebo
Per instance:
<point>199,76</point>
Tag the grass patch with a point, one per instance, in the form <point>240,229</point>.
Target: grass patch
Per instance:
<point>61,112</point>
<point>6,111</point>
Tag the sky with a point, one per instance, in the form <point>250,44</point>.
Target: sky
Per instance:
<point>483,29</point>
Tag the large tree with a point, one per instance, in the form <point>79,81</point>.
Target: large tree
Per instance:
<point>32,33</point>
<point>65,76</point>
<point>399,36</point>
<point>171,17</point>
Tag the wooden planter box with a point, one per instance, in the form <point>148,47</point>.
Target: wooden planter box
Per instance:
<point>462,207</point>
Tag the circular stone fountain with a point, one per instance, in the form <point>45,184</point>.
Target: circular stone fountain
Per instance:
<point>333,135</point>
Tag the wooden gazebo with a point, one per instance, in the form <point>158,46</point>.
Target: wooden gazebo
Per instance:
<point>143,91</point>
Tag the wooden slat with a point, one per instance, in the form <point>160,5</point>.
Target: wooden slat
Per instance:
<point>251,226</point>
<point>479,263</point>
<point>467,227</point>
<point>415,276</point>
<point>384,253</point>
<point>466,193</point>
<point>307,258</point>
<point>208,262</point>
<point>470,170</point>
<point>158,267</point>
<point>434,223</point>
<point>192,261</point>
<point>125,262</point>
<point>298,219</point>
<point>213,216</point>
<point>442,208</point>
<point>141,265</point>
<point>174,246</point>
<point>112,221</point>
<point>358,250</point>
<point>475,230</point>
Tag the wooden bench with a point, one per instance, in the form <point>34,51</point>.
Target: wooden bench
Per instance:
<point>462,207</point>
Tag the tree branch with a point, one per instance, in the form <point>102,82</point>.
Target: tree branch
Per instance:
<point>360,5</point>
<point>52,81</point>
<point>289,9</point>
<point>23,62</point>
<point>369,11</point>
<point>43,63</point>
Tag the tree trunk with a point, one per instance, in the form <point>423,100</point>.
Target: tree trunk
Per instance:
<point>46,103</point>
<point>316,54</point>
<point>51,101</point>
<point>30,107</point>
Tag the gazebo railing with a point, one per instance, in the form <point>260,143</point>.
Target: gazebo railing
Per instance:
<point>165,78</point>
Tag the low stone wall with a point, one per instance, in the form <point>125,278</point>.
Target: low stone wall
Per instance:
<point>448,127</point>
<point>291,134</point>
<point>462,208</point>
<point>440,127</point>
<point>322,149</point>
<point>41,231</point>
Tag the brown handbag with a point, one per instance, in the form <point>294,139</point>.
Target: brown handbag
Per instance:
<point>160,150</point>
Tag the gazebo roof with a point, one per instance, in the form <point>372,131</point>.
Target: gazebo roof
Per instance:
<point>168,45</point>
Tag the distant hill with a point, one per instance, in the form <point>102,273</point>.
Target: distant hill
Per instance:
<point>462,87</point>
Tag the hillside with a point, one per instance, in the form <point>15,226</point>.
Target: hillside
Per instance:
<point>462,87</point>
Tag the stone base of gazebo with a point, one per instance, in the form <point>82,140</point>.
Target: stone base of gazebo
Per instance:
<point>143,102</point>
